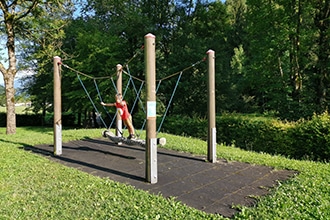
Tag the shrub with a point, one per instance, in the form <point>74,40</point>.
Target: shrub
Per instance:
<point>2,119</point>
<point>186,126</point>
<point>311,139</point>
<point>299,140</point>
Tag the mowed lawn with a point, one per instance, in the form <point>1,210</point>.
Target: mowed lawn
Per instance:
<point>18,109</point>
<point>34,187</point>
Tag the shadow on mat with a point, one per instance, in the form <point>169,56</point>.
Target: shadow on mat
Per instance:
<point>46,152</point>
<point>139,148</point>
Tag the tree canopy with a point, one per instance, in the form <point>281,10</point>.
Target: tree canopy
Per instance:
<point>32,22</point>
<point>271,56</point>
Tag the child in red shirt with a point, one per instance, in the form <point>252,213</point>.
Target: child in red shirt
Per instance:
<point>122,110</point>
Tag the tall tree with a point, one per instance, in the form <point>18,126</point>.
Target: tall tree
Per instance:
<point>281,56</point>
<point>200,27</point>
<point>94,51</point>
<point>322,68</point>
<point>114,34</point>
<point>233,84</point>
<point>19,18</point>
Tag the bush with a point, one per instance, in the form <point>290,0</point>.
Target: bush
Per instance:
<point>36,120</point>
<point>28,120</point>
<point>2,119</point>
<point>311,139</point>
<point>259,134</point>
<point>299,140</point>
<point>185,126</point>
<point>22,120</point>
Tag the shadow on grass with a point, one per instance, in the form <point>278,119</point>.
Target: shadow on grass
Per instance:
<point>37,129</point>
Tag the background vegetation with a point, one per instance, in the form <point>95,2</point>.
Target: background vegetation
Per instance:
<point>303,139</point>
<point>270,56</point>
<point>2,96</point>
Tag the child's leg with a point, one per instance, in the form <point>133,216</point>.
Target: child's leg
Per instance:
<point>129,125</point>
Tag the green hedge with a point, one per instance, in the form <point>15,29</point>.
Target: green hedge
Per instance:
<point>311,139</point>
<point>22,120</point>
<point>255,134</point>
<point>299,140</point>
<point>36,120</point>
<point>185,126</point>
<point>2,119</point>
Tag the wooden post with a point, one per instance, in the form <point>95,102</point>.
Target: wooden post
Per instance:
<point>151,137</point>
<point>119,123</point>
<point>211,141</point>
<point>57,107</point>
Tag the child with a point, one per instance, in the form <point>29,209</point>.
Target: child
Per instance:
<point>122,110</point>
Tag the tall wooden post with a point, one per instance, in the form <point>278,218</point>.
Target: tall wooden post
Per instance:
<point>151,137</point>
<point>57,107</point>
<point>119,123</point>
<point>211,141</point>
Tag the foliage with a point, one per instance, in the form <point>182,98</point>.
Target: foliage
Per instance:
<point>185,126</point>
<point>286,54</point>
<point>270,55</point>
<point>31,22</point>
<point>311,138</point>
<point>113,34</point>
<point>305,139</point>
<point>301,140</point>
<point>2,96</point>
<point>18,110</point>
<point>55,194</point>
<point>261,134</point>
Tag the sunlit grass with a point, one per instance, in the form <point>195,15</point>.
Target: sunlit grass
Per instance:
<point>18,109</point>
<point>33,187</point>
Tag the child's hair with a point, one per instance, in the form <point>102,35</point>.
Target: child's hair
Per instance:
<point>119,95</point>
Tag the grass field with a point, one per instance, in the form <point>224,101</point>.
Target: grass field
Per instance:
<point>18,109</point>
<point>33,187</point>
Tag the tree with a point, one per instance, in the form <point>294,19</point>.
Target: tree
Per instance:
<point>113,34</point>
<point>322,23</point>
<point>282,65</point>
<point>94,51</point>
<point>21,18</point>
<point>200,27</point>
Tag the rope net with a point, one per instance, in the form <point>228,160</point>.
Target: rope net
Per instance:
<point>134,86</point>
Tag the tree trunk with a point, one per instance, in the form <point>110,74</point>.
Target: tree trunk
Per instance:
<point>322,23</point>
<point>43,116</point>
<point>79,119</point>
<point>10,104</point>
<point>296,75</point>
<point>9,76</point>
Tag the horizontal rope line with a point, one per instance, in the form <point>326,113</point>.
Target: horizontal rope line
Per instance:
<point>141,80</point>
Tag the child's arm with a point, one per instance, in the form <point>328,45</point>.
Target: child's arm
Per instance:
<point>107,104</point>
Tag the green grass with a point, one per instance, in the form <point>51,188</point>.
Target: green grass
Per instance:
<point>18,109</point>
<point>33,187</point>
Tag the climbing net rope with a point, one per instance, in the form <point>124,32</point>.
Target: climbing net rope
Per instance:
<point>137,90</point>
